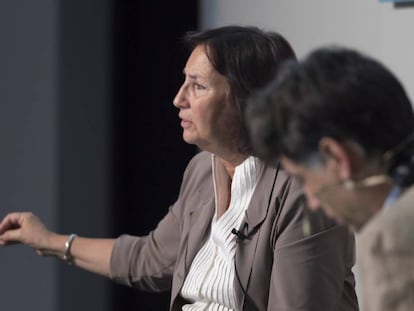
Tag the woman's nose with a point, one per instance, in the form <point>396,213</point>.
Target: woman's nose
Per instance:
<point>180,99</point>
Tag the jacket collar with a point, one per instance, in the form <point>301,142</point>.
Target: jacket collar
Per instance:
<point>259,205</point>
<point>200,218</point>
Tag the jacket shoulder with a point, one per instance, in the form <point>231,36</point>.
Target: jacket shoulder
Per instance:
<point>391,229</point>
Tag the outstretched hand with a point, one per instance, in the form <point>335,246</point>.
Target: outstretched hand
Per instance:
<point>25,228</point>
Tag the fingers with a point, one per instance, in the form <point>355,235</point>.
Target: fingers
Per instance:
<point>13,225</point>
<point>11,221</point>
<point>9,224</point>
<point>10,237</point>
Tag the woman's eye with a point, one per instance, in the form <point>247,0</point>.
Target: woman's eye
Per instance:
<point>199,86</point>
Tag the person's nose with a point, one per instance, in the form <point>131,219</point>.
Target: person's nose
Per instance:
<point>180,100</point>
<point>312,201</point>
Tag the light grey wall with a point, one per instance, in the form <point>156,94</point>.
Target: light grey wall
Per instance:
<point>54,122</point>
<point>379,29</point>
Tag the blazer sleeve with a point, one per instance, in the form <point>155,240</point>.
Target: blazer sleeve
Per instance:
<point>148,262</point>
<point>313,272</point>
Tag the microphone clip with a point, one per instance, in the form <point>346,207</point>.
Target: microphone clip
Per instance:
<point>238,234</point>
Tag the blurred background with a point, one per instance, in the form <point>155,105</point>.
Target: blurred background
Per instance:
<point>89,139</point>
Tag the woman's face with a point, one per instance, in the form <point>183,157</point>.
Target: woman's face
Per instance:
<point>206,110</point>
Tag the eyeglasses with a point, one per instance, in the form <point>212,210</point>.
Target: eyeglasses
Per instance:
<point>373,180</point>
<point>351,185</point>
<point>392,152</point>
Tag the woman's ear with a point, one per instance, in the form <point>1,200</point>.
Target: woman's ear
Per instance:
<point>338,155</point>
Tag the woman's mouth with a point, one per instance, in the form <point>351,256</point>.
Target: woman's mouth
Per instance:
<point>185,123</point>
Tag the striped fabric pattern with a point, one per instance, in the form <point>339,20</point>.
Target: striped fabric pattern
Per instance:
<point>210,281</point>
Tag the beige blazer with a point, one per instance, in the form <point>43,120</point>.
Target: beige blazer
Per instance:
<point>277,267</point>
<point>385,251</point>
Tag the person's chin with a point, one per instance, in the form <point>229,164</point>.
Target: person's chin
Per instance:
<point>336,216</point>
<point>189,139</point>
<point>354,224</point>
<point>340,220</point>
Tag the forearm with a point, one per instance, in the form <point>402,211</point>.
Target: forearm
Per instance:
<point>24,227</point>
<point>89,254</point>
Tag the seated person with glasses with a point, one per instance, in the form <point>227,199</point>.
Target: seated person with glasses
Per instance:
<point>343,124</point>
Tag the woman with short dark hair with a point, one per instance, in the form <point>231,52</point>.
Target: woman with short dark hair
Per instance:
<point>234,238</point>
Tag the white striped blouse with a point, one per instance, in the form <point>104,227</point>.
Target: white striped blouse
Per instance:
<point>209,283</point>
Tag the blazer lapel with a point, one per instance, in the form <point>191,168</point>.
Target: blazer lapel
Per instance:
<point>199,220</point>
<point>255,215</point>
<point>259,204</point>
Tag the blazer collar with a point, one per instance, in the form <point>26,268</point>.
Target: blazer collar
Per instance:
<point>259,204</point>
<point>200,220</point>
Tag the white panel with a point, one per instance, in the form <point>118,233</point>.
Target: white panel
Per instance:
<point>375,28</point>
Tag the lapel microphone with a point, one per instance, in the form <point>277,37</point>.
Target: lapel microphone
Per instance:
<point>238,234</point>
